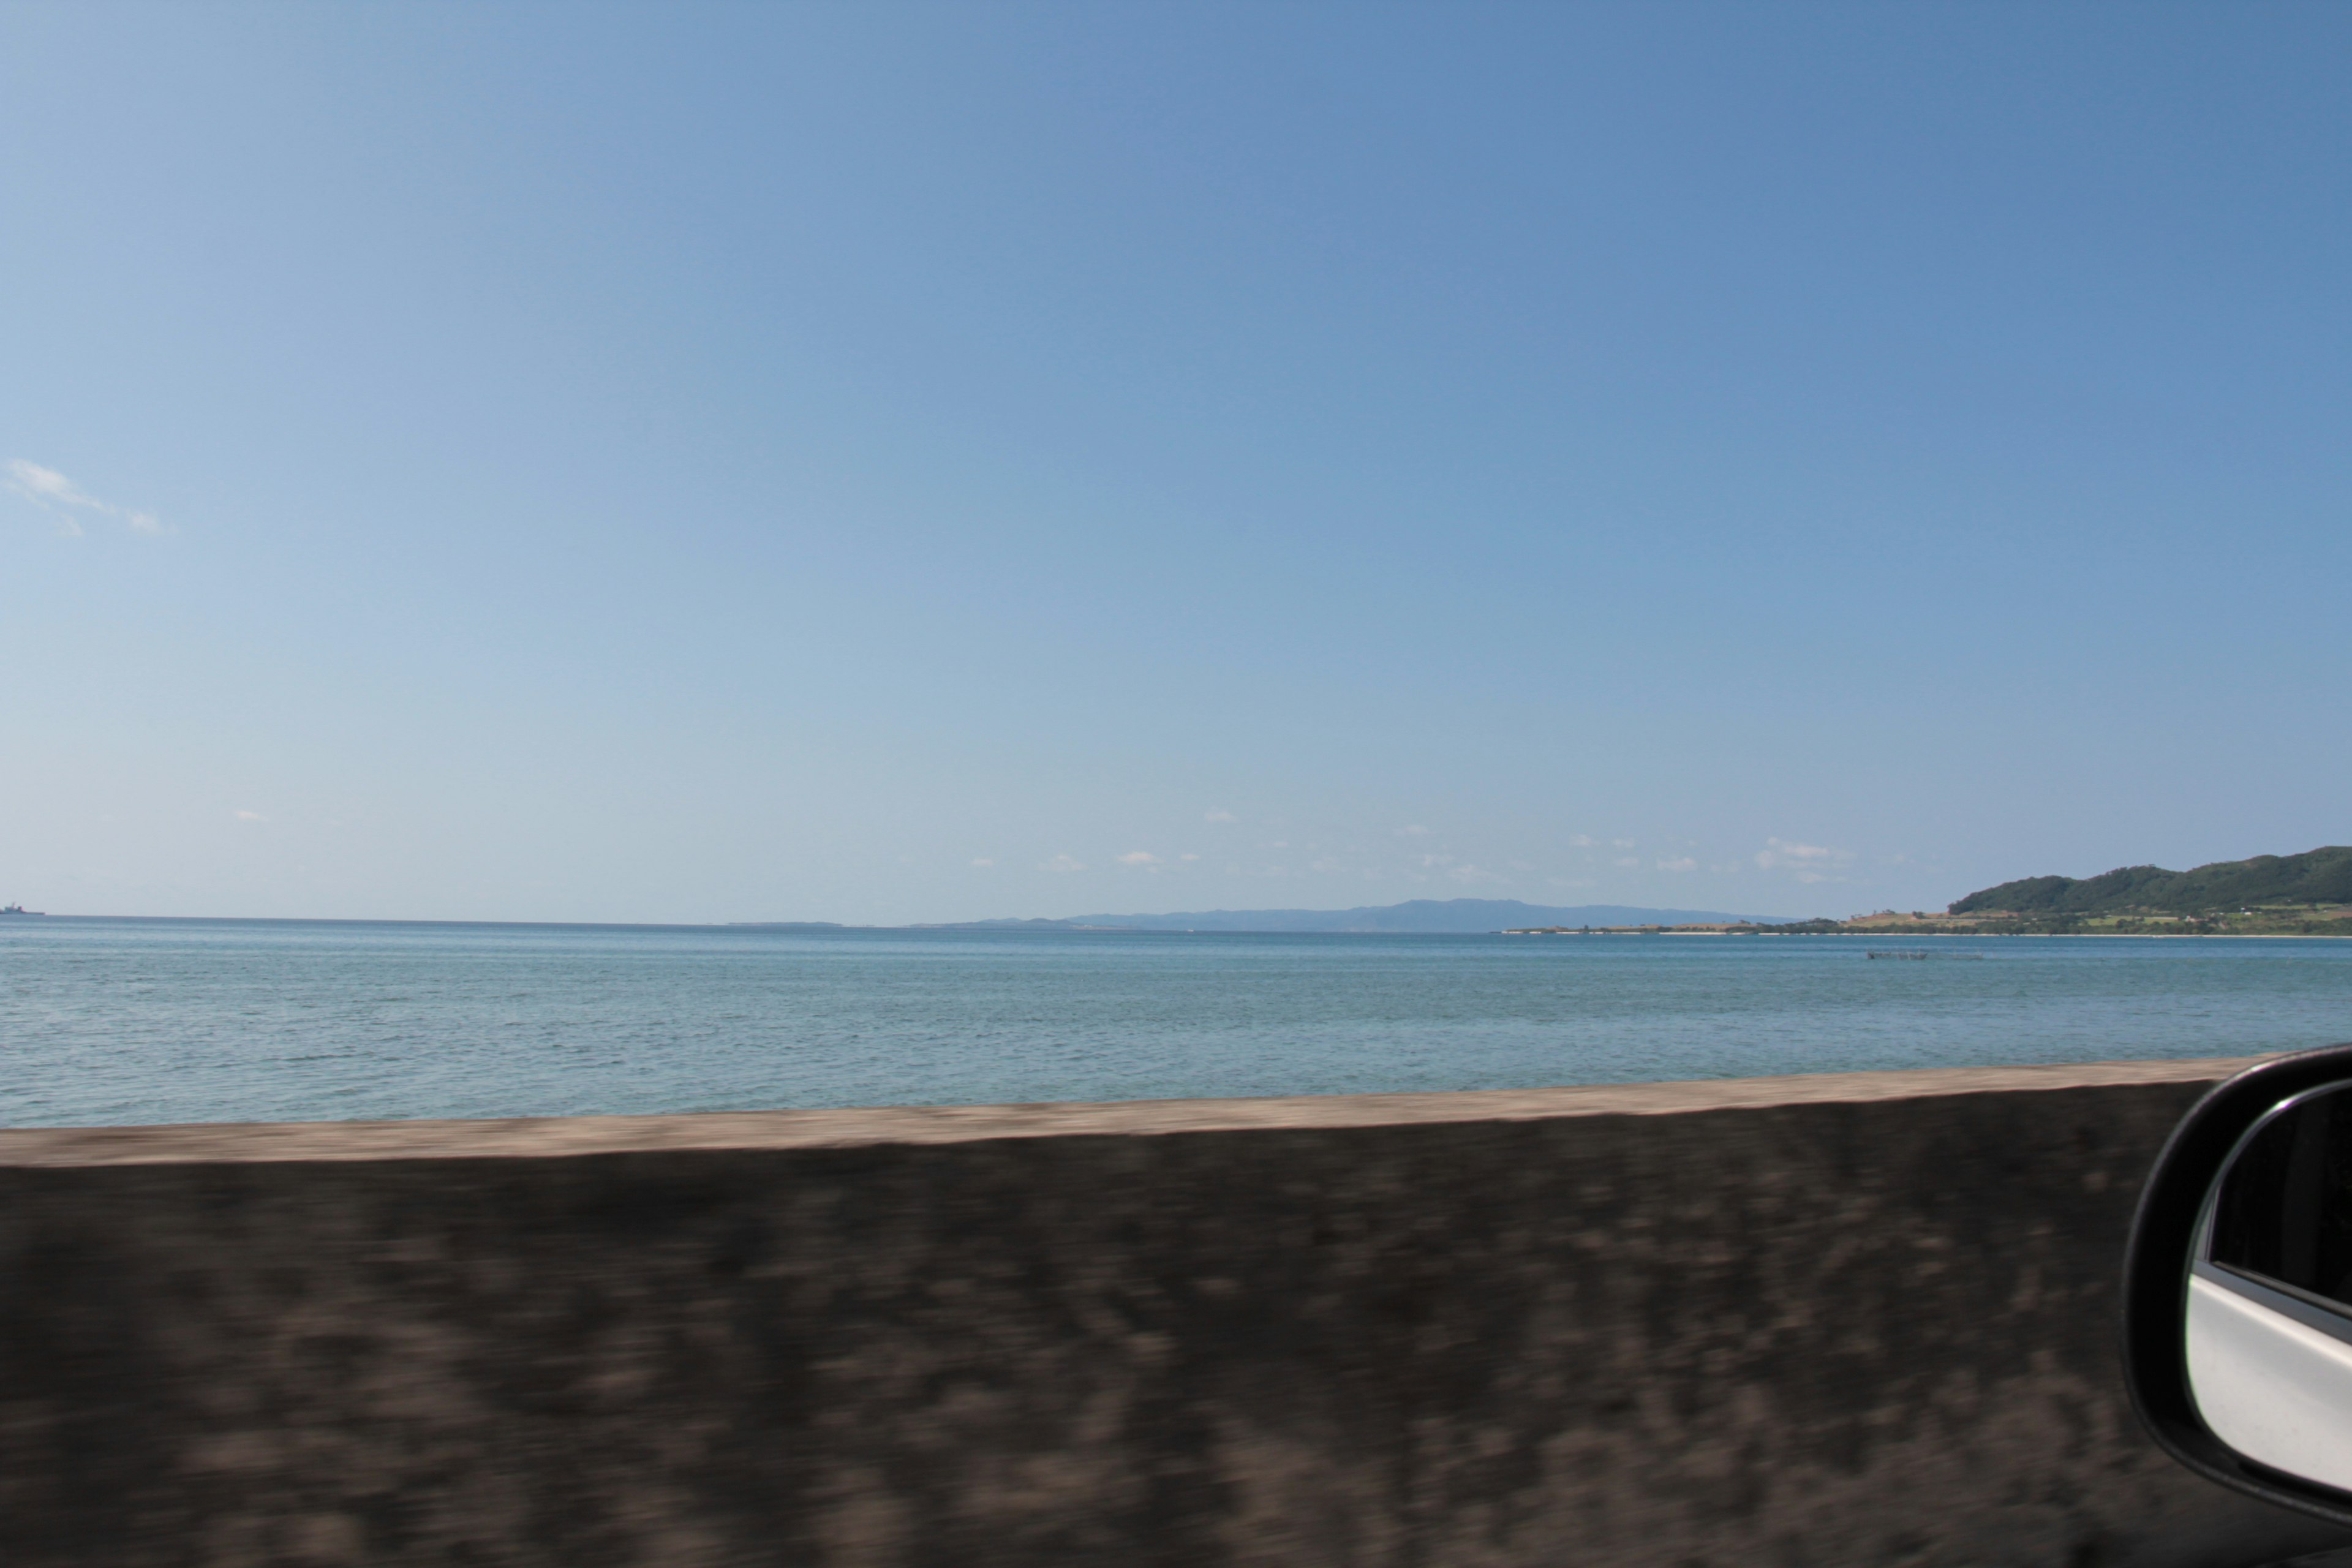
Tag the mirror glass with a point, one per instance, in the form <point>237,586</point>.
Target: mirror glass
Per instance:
<point>2269,1294</point>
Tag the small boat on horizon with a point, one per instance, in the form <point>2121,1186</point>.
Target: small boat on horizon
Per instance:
<point>19,912</point>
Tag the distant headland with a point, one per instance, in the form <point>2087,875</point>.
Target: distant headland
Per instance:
<point>2270,895</point>
<point>2308,894</point>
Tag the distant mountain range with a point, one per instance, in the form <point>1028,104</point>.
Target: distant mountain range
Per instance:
<point>1414,915</point>
<point>2315,876</point>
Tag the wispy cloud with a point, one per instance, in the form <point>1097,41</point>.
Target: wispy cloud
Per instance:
<point>251,816</point>
<point>1582,841</point>
<point>983,862</point>
<point>1219,816</point>
<point>1064,863</point>
<point>1139,858</point>
<point>1474,874</point>
<point>1188,854</point>
<point>1680,863</point>
<point>1414,830</point>
<point>1631,862</point>
<point>45,486</point>
<point>61,498</point>
<point>1807,862</point>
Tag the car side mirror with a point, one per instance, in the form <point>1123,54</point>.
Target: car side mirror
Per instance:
<point>2238,1286</point>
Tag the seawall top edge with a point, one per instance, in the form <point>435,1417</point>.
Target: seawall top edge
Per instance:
<point>575,1136</point>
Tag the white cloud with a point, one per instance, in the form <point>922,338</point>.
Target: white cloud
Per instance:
<point>983,862</point>
<point>52,491</point>
<point>251,816</point>
<point>1139,858</point>
<point>1433,861</point>
<point>1188,854</point>
<point>1806,862</point>
<point>1787,852</point>
<point>1063,863</point>
<point>1583,841</point>
<point>37,483</point>
<point>1414,830</point>
<point>1219,816</point>
<point>1621,843</point>
<point>1632,862</point>
<point>1474,874</point>
<point>1682,863</point>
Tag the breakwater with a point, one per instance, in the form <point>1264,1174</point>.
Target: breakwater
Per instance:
<point>1861,1319</point>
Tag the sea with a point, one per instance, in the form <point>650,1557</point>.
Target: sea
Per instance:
<point>113,1022</point>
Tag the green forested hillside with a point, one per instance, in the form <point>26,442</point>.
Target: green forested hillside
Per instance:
<point>2317,877</point>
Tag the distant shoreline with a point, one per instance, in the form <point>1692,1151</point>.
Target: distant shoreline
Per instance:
<point>1040,928</point>
<point>1897,934</point>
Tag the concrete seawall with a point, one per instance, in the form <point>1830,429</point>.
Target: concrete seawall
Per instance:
<point>1864,1320</point>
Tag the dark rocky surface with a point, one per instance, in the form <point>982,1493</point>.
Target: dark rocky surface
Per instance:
<point>1856,1320</point>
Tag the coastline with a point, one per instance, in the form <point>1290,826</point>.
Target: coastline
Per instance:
<point>1901,932</point>
<point>2134,935</point>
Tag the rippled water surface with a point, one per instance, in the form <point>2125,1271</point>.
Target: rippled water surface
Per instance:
<point>143,1021</point>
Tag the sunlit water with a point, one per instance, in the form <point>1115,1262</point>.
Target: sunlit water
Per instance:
<point>149,1021</point>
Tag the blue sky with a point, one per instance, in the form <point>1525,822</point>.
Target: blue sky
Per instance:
<point>891,464</point>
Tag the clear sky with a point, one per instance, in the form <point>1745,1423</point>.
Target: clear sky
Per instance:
<point>880,464</point>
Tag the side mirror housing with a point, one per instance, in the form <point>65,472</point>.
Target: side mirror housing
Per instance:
<point>2238,1287</point>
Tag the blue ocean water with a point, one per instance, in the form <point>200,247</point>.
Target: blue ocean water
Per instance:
<point>129,1021</point>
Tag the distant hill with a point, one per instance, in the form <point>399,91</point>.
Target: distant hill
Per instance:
<point>2315,876</point>
<point>1415,915</point>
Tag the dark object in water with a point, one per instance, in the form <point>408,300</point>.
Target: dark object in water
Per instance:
<point>1924,953</point>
